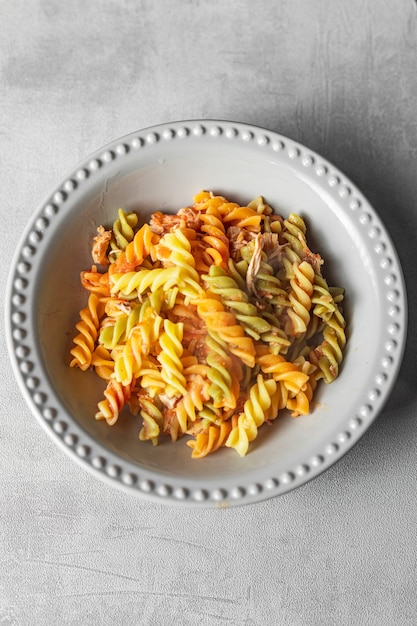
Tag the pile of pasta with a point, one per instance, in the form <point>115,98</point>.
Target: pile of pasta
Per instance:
<point>208,322</point>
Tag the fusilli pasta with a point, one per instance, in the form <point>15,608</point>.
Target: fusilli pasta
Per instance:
<point>208,323</point>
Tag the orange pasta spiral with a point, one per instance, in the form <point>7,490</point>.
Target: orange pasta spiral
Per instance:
<point>213,438</point>
<point>136,251</point>
<point>115,397</point>
<point>214,237</point>
<point>88,330</point>
<point>223,324</point>
<point>95,282</point>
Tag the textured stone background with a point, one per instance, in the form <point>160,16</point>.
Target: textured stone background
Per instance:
<point>338,76</point>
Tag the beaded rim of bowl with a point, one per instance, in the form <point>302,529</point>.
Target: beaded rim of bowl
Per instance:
<point>102,463</point>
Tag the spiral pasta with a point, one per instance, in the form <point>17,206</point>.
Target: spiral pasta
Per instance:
<point>210,439</point>
<point>95,282</point>
<point>237,301</point>
<point>137,250</point>
<point>253,415</point>
<point>102,362</point>
<point>152,421</point>
<point>170,358</point>
<point>122,233</point>
<point>214,238</point>
<point>134,284</point>
<point>328,355</point>
<point>87,333</point>
<point>150,377</point>
<point>224,386</point>
<point>116,396</point>
<point>300,298</point>
<point>179,256</point>
<point>224,325</point>
<point>208,323</point>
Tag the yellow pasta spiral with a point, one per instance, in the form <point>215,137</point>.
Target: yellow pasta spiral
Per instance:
<point>136,283</point>
<point>253,416</point>
<point>179,247</point>
<point>300,299</point>
<point>102,362</point>
<point>170,358</point>
<point>150,377</point>
<point>259,205</point>
<point>128,360</point>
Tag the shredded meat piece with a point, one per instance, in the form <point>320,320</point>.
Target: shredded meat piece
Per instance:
<point>115,308</point>
<point>255,264</point>
<point>315,260</point>
<point>191,217</point>
<point>161,223</point>
<point>240,404</point>
<point>198,348</point>
<point>196,427</point>
<point>238,237</point>
<point>273,249</point>
<point>100,245</point>
<point>168,401</point>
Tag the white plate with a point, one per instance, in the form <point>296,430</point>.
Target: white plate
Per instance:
<point>162,168</point>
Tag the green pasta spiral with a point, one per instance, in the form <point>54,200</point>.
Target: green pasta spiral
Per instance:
<point>117,329</point>
<point>122,233</point>
<point>329,353</point>
<point>221,381</point>
<point>152,420</point>
<point>294,233</point>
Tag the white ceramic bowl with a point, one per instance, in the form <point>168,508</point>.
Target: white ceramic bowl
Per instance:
<point>161,168</point>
